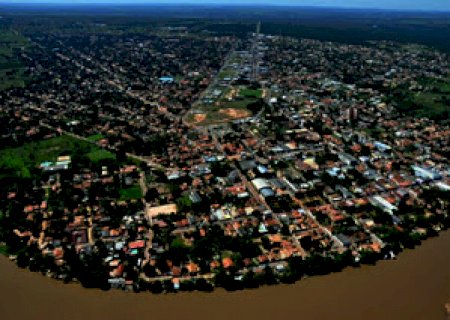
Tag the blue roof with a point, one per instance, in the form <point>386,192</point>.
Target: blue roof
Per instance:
<point>333,171</point>
<point>262,169</point>
<point>381,146</point>
<point>267,192</point>
<point>210,159</point>
<point>46,164</point>
<point>166,79</point>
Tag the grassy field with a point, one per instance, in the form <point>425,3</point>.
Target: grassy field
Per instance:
<point>431,102</point>
<point>95,137</point>
<point>434,101</point>
<point>226,73</point>
<point>98,155</point>
<point>11,70</point>
<point>130,193</point>
<point>431,105</point>
<point>20,161</point>
<point>224,112</point>
<point>239,103</point>
<point>250,93</point>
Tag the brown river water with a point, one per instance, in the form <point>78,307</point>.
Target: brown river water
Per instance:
<point>415,286</point>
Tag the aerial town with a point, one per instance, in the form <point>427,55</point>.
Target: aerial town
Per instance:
<point>180,161</point>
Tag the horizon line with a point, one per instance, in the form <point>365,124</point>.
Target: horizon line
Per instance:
<point>193,4</point>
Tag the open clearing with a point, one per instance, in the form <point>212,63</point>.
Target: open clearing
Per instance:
<point>22,160</point>
<point>235,113</point>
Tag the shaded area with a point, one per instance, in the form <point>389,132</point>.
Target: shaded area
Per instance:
<point>12,71</point>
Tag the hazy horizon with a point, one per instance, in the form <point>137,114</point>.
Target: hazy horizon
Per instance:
<point>407,5</point>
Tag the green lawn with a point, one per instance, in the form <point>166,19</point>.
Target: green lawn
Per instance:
<point>238,103</point>
<point>432,102</point>
<point>252,93</point>
<point>214,114</point>
<point>435,101</point>
<point>443,85</point>
<point>99,155</point>
<point>21,160</point>
<point>226,73</point>
<point>95,137</point>
<point>130,193</point>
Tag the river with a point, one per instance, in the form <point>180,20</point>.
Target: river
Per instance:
<point>416,286</point>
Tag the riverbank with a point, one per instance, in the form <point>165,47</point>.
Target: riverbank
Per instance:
<point>416,286</point>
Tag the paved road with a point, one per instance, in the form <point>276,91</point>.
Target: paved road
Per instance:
<point>212,85</point>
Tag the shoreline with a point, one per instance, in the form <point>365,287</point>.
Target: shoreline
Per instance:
<point>415,286</point>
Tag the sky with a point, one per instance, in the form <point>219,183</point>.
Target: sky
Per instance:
<point>432,5</point>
